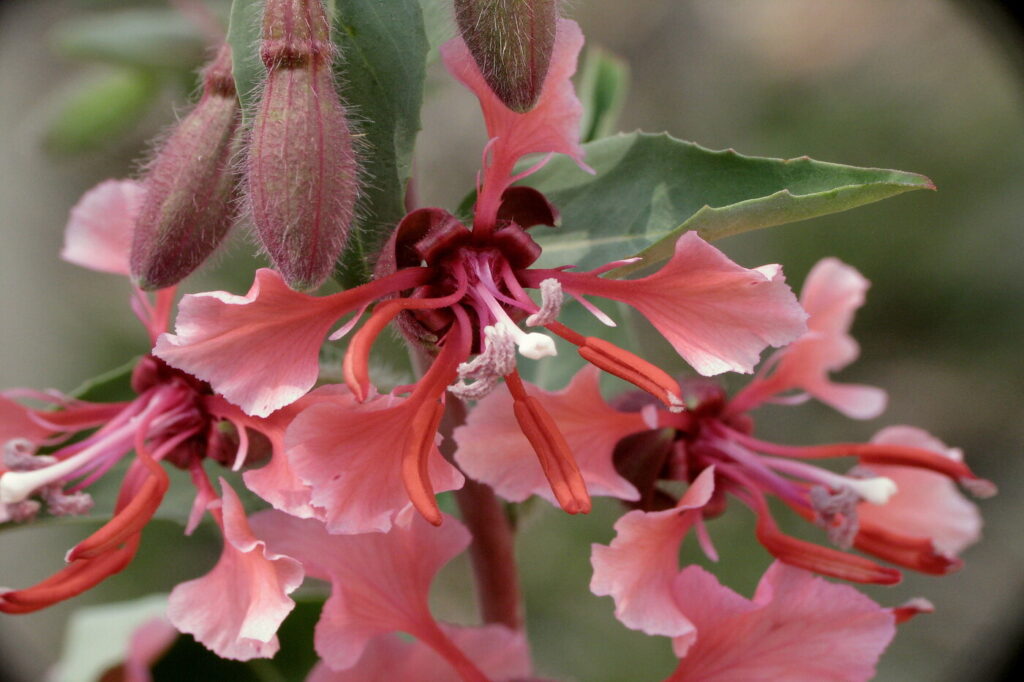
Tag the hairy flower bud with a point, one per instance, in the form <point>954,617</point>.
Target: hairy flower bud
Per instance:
<point>302,168</point>
<point>511,41</point>
<point>190,186</point>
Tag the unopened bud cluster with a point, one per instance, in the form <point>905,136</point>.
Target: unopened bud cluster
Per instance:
<point>300,164</point>
<point>301,168</point>
<point>511,42</point>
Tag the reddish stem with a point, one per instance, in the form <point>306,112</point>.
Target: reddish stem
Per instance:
<point>492,551</point>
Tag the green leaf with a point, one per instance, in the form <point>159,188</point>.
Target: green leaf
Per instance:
<point>604,84</point>
<point>649,189</point>
<point>246,66</point>
<point>154,38</point>
<point>383,48</point>
<point>99,109</point>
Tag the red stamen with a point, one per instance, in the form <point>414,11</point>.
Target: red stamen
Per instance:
<point>70,581</point>
<point>356,366</point>
<point>428,412</point>
<point>132,517</point>
<point>625,365</point>
<point>129,521</point>
<point>916,553</point>
<point>820,559</point>
<point>415,461</point>
<point>553,452</point>
<point>886,455</point>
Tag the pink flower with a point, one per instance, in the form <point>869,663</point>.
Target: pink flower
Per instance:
<point>461,292</point>
<point>898,504</point>
<point>236,608</point>
<point>379,585</point>
<point>797,628</point>
<point>832,293</point>
<point>172,419</point>
<point>780,635</point>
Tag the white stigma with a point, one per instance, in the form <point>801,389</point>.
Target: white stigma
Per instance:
<point>536,346</point>
<point>876,490</point>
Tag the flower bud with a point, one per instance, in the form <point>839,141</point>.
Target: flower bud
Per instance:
<point>511,41</point>
<point>302,169</point>
<point>190,186</point>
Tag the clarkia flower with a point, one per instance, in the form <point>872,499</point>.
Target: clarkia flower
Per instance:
<point>173,419</point>
<point>797,627</point>
<point>461,291</point>
<point>899,503</point>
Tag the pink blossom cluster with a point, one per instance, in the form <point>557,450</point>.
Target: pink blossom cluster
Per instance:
<point>352,473</point>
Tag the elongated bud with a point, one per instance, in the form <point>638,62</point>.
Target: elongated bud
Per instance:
<point>302,169</point>
<point>190,186</point>
<point>511,41</point>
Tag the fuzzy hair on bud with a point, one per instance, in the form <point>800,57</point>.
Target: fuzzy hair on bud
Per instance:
<point>511,41</point>
<point>190,186</point>
<point>302,168</point>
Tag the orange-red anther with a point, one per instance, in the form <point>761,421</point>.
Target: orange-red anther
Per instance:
<point>819,559</point>
<point>416,461</point>
<point>553,452</point>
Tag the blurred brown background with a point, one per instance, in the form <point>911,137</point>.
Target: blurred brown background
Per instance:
<point>920,85</point>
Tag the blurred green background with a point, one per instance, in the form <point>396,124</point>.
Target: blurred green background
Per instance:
<point>919,85</point>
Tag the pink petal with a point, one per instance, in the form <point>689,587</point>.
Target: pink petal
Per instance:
<point>639,566</point>
<point>260,351</point>
<point>276,482</point>
<point>148,643</point>
<point>832,293</point>
<point>99,231</point>
<point>379,581</point>
<point>493,449</point>
<point>350,455</point>
<point>927,504</point>
<point>236,608</point>
<point>798,628</point>
<point>806,363</point>
<point>553,125</point>
<point>499,652</point>
<point>718,315</point>
<point>16,422</point>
